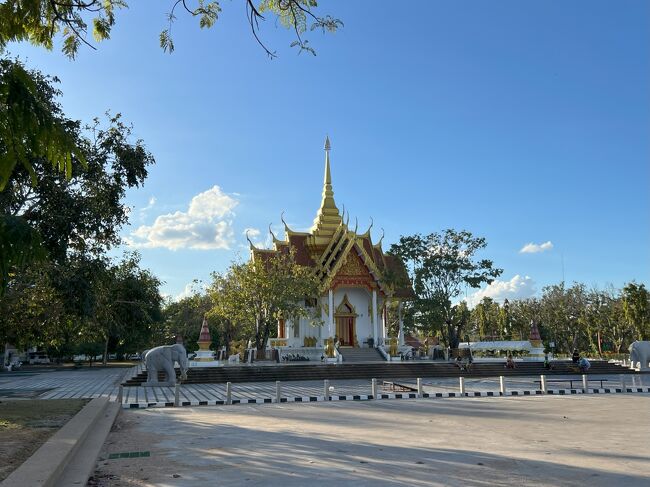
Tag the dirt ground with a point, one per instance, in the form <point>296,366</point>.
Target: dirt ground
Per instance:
<point>26,424</point>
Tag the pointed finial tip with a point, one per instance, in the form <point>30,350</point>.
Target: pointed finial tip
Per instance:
<point>327,142</point>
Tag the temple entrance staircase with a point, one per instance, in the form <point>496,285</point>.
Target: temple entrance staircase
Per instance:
<point>370,370</point>
<point>360,354</point>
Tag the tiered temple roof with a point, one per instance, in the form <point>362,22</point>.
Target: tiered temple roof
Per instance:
<point>341,256</point>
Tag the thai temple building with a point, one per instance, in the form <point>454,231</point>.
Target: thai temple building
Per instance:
<point>356,280</point>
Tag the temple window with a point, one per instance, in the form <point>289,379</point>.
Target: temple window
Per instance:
<point>281,329</point>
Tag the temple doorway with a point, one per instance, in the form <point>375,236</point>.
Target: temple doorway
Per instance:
<point>345,317</point>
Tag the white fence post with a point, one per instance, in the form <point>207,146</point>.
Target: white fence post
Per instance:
<point>228,393</point>
<point>278,392</point>
<point>542,383</point>
<point>419,387</point>
<point>502,385</point>
<point>585,384</point>
<point>461,383</point>
<point>374,389</point>
<point>177,395</point>
<point>326,389</point>
<point>120,395</point>
<point>623,385</point>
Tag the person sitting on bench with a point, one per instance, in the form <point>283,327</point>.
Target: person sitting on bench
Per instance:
<point>510,363</point>
<point>575,357</point>
<point>584,364</point>
<point>459,362</point>
<point>547,364</point>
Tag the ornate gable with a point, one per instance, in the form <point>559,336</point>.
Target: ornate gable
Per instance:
<point>353,272</point>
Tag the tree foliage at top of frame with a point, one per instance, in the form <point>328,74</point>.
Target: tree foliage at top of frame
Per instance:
<point>41,21</point>
<point>30,125</point>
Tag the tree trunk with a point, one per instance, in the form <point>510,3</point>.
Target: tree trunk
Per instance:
<point>105,357</point>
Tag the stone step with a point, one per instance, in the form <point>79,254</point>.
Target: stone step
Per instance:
<point>378,370</point>
<point>360,355</point>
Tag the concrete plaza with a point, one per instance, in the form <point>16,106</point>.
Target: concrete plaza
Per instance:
<point>568,441</point>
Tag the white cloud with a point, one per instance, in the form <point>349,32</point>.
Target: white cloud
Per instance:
<point>143,211</point>
<point>206,225</point>
<point>191,288</point>
<point>533,248</point>
<point>516,288</point>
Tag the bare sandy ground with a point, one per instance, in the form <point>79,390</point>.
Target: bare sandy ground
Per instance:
<point>514,441</point>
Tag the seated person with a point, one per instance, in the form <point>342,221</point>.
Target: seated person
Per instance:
<point>459,363</point>
<point>510,363</point>
<point>547,363</point>
<point>575,357</point>
<point>584,364</point>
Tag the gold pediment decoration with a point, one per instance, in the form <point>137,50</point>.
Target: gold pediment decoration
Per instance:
<point>345,308</point>
<point>353,266</point>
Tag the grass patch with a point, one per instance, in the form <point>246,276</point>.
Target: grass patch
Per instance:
<point>26,424</point>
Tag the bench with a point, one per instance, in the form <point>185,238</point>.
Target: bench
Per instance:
<point>395,387</point>
<point>570,381</point>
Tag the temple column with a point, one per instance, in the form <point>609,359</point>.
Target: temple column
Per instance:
<point>330,318</point>
<point>401,325</point>
<point>375,318</point>
<point>384,321</point>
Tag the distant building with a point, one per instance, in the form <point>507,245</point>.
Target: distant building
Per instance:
<point>357,278</point>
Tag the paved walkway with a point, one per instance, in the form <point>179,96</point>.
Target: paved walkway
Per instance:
<point>95,382</point>
<point>543,441</point>
<point>62,384</point>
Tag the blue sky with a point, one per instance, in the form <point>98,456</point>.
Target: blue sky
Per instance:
<point>523,122</point>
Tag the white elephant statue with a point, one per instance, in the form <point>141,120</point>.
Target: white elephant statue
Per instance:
<point>163,358</point>
<point>640,354</point>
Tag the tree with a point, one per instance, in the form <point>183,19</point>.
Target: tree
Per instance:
<point>562,316</point>
<point>56,226</point>
<point>31,125</point>
<point>41,21</point>
<point>128,304</point>
<point>636,309</point>
<point>440,265</point>
<point>185,317</point>
<point>252,297</point>
<point>46,211</point>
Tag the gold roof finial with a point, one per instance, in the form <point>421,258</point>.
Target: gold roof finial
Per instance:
<point>381,239</point>
<point>275,240</point>
<point>328,218</point>
<point>250,243</point>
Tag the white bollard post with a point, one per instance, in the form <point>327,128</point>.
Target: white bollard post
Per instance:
<point>542,383</point>
<point>120,395</point>
<point>326,389</point>
<point>461,383</point>
<point>177,395</point>
<point>585,386</point>
<point>623,385</point>
<point>228,393</point>
<point>278,392</point>
<point>419,387</point>
<point>374,389</point>
<point>502,385</point>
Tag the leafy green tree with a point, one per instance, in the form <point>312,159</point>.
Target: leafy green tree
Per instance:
<point>185,317</point>
<point>440,265</point>
<point>636,309</point>
<point>41,21</point>
<point>486,316</point>
<point>31,125</point>
<point>252,297</point>
<point>128,304</point>
<point>562,316</point>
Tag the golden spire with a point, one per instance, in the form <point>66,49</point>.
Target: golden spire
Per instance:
<point>328,218</point>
